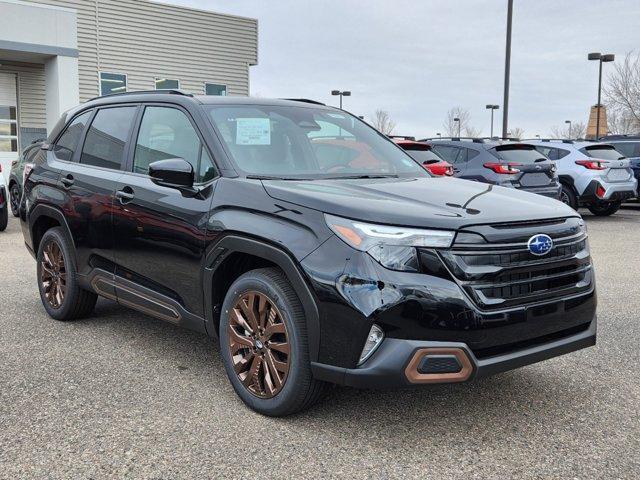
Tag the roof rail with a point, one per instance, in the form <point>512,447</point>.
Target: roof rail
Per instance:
<point>304,100</point>
<point>170,91</point>
<point>563,140</point>
<point>402,137</point>
<point>454,139</point>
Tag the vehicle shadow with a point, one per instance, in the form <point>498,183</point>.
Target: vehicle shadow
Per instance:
<point>515,397</point>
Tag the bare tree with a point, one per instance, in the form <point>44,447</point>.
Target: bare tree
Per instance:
<point>383,123</point>
<point>454,128</point>
<point>621,123</point>
<point>516,132</point>
<point>570,131</point>
<point>622,93</point>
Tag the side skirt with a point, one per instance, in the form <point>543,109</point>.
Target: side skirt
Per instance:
<point>143,299</point>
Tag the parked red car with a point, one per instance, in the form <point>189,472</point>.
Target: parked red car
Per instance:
<point>423,153</point>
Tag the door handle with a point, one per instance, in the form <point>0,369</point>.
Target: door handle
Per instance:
<point>125,195</point>
<point>67,181</point>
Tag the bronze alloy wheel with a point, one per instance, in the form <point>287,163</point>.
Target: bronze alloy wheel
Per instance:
<point>259,344</point>
<point>53,274</point>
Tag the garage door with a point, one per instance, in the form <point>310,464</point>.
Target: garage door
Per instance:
<point>8,122</point>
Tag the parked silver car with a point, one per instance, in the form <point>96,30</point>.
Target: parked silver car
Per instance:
<point>593,174</point>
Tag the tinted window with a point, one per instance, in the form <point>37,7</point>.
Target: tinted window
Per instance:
<point>166,132</point>
<point>450,154</point>
<point>628,149</point>
<point>107,136</point>
<point>68,142</point>
<point>471,153</point>
<point>518,153</point>
<point>562,153</point>
<point>604,152</point>
<point>423,156</point>
<point>289,141</point>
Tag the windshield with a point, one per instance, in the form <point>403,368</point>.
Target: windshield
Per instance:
<point>604,152</point>
<point>522,154</point>
<point>307,142</point>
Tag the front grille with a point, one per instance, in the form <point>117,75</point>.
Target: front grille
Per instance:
<point>505,274</point>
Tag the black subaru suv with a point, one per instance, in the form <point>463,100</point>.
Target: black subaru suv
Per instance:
<point>314,248</point>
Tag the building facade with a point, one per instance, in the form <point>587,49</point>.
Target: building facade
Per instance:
<point>55,54</point>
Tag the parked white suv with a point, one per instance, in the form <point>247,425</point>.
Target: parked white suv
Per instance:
<point>593,174</point>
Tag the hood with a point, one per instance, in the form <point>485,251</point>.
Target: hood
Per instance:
<point>447,203</point>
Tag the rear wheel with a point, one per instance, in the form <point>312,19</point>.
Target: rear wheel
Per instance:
<point>264,346</point>
<point>62,297</point>
<point>604,209</point>
<point>568,197</point>
<point>14,199</point>
<point>4,218</point>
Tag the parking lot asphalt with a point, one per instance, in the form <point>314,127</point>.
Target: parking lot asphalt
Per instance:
<point>124,395</point>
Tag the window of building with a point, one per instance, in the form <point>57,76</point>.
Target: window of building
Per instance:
<point>107,137</point>
<point>68,142</point>
<point>167,84</point>
<point>112,83</point>
<point>166,132</point>
<point>215,89</point>
<point>8,129</point>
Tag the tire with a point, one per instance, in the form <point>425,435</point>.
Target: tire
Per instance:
<point>56,263</point>
<point>298,389</point>
<point>568,197</point>
<point>14,199</point>
<point>4,218</point>
<point>604,209</point>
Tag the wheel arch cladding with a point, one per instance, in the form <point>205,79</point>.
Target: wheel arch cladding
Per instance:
<point>44,217</point>
<point>250,253</point>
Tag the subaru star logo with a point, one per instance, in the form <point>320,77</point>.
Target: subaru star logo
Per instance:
<point>540,244</point>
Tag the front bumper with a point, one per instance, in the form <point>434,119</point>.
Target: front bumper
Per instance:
<point>391,366</point>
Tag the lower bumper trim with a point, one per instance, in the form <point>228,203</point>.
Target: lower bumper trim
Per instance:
<point>388,366</point>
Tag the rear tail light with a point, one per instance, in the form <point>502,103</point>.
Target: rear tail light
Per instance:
<point>503,168</point>
<point>28,167</point>
<point>593,164</point>
<point>600,191</point>
<point>449,172</point>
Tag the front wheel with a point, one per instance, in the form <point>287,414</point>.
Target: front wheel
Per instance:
<point>604,209</point>
<point>264,345</point>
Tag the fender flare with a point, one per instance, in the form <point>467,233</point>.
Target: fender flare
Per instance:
<point>567,180</point>
<point>42,210</point>
<point>251,246</point>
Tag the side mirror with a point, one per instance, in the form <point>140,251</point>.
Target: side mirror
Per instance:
<point>45,146</point>
<point>172,172</point>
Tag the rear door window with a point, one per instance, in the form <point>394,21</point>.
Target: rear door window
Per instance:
<point>67,144</point>
<point>106,139</point>
<point>604,152</point>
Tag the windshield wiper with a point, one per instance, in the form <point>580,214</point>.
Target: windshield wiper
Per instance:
<point>273,177</point>
<point>351,177</point>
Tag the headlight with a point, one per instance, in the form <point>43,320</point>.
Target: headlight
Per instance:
<point>392,247</point>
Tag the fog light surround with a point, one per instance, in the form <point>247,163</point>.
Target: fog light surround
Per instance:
<point>374,339</point>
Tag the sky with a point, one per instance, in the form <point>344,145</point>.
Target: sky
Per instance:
<point>417,59</point>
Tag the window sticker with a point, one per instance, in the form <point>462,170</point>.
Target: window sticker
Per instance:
<point>253,131</point>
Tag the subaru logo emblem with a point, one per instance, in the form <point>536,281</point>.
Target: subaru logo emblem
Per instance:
<point>540,244</point>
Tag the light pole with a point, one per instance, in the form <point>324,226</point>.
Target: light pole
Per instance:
<point>344,93</point>
<point>569,122</point>
<point>507,70</point>
<point>492,108</point>
<point>457,120</point>
<point>607,57</point>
